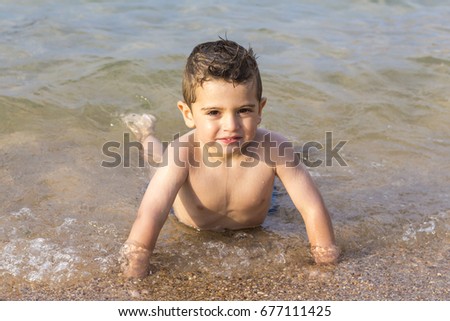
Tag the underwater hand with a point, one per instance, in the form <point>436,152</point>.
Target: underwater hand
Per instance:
<point>325,255</point>
<point>134,261</point>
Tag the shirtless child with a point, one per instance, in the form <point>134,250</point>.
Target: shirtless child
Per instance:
<point>220,175</point>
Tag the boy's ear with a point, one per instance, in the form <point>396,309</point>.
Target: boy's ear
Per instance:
<point>187,114</point>
<point>262,103</point>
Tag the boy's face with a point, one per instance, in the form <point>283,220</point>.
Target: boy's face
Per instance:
<point>224,113</point>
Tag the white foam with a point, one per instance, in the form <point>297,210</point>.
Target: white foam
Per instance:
<point>427,227</point>
<point>409,234</point>
<point>38,259</point>
<point>24,212</point>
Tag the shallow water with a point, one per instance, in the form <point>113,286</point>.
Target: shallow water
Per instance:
<point>374,73</point>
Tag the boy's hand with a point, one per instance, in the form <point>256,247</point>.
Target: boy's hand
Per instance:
<point>325,255</point>
<point>134,261</point>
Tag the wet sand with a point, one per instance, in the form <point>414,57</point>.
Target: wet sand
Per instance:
<point>358,277</point>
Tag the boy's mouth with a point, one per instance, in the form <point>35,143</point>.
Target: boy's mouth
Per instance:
<point>229,140</point>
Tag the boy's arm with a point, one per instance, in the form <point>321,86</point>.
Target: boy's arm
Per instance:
<point>152,214</point>
<point>308,200</point>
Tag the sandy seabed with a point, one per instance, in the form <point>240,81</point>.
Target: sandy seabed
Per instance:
<point>373,276</point>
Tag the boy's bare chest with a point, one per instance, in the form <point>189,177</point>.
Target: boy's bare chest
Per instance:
<point>230,188</point>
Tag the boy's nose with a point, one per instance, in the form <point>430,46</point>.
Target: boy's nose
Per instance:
<point>230,123</point>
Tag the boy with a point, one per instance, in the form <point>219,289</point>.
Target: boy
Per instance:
<point>220,175</point>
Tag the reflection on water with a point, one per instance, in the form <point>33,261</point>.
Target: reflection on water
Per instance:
<point>372,73</point>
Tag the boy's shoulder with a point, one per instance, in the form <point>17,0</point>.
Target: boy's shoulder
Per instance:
<point>277,149</point>
<point>179,149</point>
<point>274,138</point>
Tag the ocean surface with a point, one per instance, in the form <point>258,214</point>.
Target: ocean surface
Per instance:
<point>375,75</point>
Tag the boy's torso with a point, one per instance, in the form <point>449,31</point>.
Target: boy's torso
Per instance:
<point>227,196</point>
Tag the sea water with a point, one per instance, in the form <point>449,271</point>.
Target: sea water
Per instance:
<point>375,75</point>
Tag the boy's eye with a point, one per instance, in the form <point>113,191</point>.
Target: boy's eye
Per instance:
<point>213,113</point>
<point>244,111</point>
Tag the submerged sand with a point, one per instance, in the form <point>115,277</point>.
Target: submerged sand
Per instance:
<point>359,276</point>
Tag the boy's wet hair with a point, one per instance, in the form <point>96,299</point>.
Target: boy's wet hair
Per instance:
<point>223,59</point>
